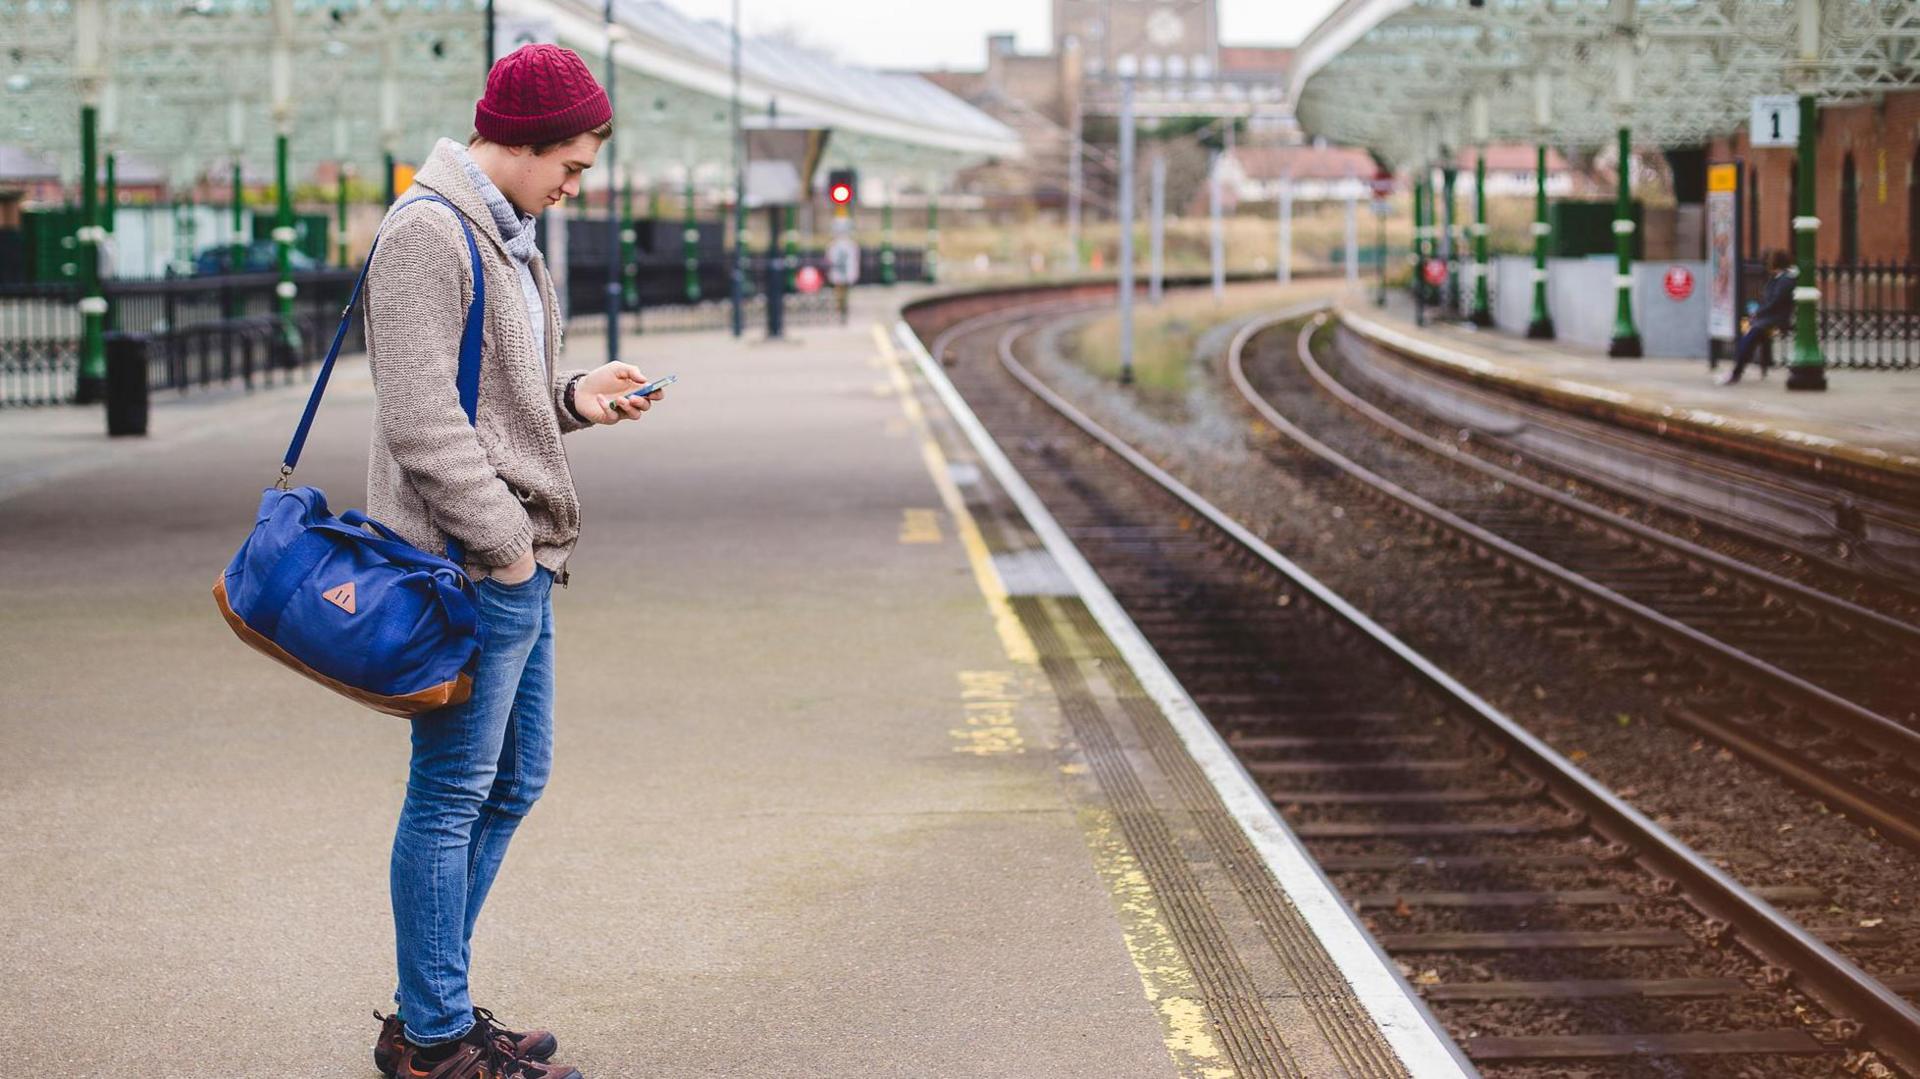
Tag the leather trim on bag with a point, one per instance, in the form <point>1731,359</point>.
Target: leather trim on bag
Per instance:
<point>404,705</point>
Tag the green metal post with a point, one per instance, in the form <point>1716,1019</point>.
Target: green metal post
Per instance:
<point>1807,370</point>
<point>239,243</point>
<point>92,382</point>
<point>1450,235</point>
<point>629,286</point>
<point>690,244</point>
<point>931,262</point>
<point>1626,339</point>
<point>340,213</point>
<point>886,241</point>
<point>791,236</point>
<point>111,203</point>
<point>391,193</point>
<point>1541,328</point>
<point>283,241</point>
<point>1419,227</point>
<point>1482,304</point>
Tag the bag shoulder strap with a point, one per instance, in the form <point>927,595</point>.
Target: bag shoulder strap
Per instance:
<point>468,379</point>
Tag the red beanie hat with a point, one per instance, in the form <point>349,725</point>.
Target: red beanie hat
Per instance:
<point>539,94</point>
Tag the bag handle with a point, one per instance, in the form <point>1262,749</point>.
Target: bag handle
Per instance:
<point>468,379</point>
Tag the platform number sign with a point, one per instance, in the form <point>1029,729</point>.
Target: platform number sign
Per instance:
<point>1776,121</point>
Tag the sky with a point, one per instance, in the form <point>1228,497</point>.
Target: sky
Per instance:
<point>919,35</point>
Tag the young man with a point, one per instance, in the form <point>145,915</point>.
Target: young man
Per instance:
<point>1774,311</point>
<point>502,488</point>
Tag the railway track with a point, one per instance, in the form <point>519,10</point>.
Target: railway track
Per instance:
<point>1544,919</point>
<point>1813,687</point>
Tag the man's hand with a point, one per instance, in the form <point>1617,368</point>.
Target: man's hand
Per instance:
<point>602,395</point>
<point>517,571</point>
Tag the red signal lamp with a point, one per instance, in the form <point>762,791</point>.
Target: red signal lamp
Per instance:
<point>841,194</point>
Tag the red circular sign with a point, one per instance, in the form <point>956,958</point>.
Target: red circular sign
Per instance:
<point>1679,282</point>
<point>1434,271</point>
<point>807,279</point>
<point>1382,184</point>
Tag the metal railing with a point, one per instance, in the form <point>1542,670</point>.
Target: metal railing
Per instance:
<point>1870,315</point>
<point>205,331</point>
<point>216,330</point>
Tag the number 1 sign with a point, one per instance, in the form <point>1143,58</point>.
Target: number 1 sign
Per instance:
<point>1776,121</point>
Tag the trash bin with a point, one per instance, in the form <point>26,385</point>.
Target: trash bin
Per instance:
<point>126,384</point>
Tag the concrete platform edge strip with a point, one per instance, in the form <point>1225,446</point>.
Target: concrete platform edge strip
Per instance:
<point>1480,369</point>
<point>1409,1028</point>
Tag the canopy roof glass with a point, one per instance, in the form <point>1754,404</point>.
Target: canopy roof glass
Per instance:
<point>377,76</point>
<point>1401,77</point>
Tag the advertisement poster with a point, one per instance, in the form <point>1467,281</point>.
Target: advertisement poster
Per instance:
<point>1723,252</point>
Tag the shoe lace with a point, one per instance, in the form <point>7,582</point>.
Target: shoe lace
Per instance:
<point>500,1054</point>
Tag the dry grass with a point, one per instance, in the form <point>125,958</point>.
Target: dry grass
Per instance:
<point>1165,337</point>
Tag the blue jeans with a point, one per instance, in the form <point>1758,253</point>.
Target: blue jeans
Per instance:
<point>477,769</point>
<point>1749,343</point>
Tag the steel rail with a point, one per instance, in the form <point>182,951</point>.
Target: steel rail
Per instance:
<point>1891,1023</point>
<point>1870,727</point>
<point>1893,818</point>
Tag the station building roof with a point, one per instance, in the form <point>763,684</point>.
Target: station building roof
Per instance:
<point>377,76</point>
<point>1416,79</point>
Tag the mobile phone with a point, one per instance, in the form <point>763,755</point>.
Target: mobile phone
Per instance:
<point>660,383</point>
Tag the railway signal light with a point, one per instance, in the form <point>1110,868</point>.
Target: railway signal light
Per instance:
<point>841,186</point>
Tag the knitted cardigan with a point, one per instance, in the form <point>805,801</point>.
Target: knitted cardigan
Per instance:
<point>501,486</point>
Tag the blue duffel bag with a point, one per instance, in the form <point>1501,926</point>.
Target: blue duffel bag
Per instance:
<point>365,614</point>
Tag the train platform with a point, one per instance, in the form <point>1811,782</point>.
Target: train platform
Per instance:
<point>1860,426</point>
<point>857,773</point>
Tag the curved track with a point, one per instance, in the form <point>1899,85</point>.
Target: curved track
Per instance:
<point>1536,904</point>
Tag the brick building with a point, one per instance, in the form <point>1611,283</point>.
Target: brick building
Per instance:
<point>1869,191</point>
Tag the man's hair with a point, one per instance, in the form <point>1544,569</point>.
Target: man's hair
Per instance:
<point>541,149</point>
<point>1778,260</point>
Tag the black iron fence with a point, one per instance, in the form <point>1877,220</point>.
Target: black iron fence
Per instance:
<point>204,331</point>
<point>1870,315</point>
<point>218,330</point>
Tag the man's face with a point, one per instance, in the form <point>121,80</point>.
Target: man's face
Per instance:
<point>540,180</point>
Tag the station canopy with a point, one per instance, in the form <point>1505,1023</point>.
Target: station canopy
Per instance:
<point>369,77</point>
<point>1413,80</point>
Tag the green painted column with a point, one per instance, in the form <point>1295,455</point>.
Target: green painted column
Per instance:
<point>111,203</point>
<point>92,382</point>
<point>931,263</point>
<point>340,214</point>
<point>1449,236</point>
<point>1482,303</point>
<point>1807,370</point>
<point>1419,227</point>
<point>283,236</point>
<point>690,244</point>
<point>1541,326</point>
<point>886,240</point>
<point>239,241</point>
<point>1626,339</point>
<point>790,242</point>
<point>629,286</point>
<point>391,193</point>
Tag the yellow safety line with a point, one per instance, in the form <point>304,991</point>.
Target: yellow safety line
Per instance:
<point>1166,978</point>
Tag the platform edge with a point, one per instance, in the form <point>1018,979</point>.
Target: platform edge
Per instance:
<point>1409,1028</point>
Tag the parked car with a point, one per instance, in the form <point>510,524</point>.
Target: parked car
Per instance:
<point>261,256</point>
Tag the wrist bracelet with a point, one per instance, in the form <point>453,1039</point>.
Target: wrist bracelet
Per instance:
<point>567,399</point>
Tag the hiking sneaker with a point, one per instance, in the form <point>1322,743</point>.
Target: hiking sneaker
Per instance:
<point>534,1046</point>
